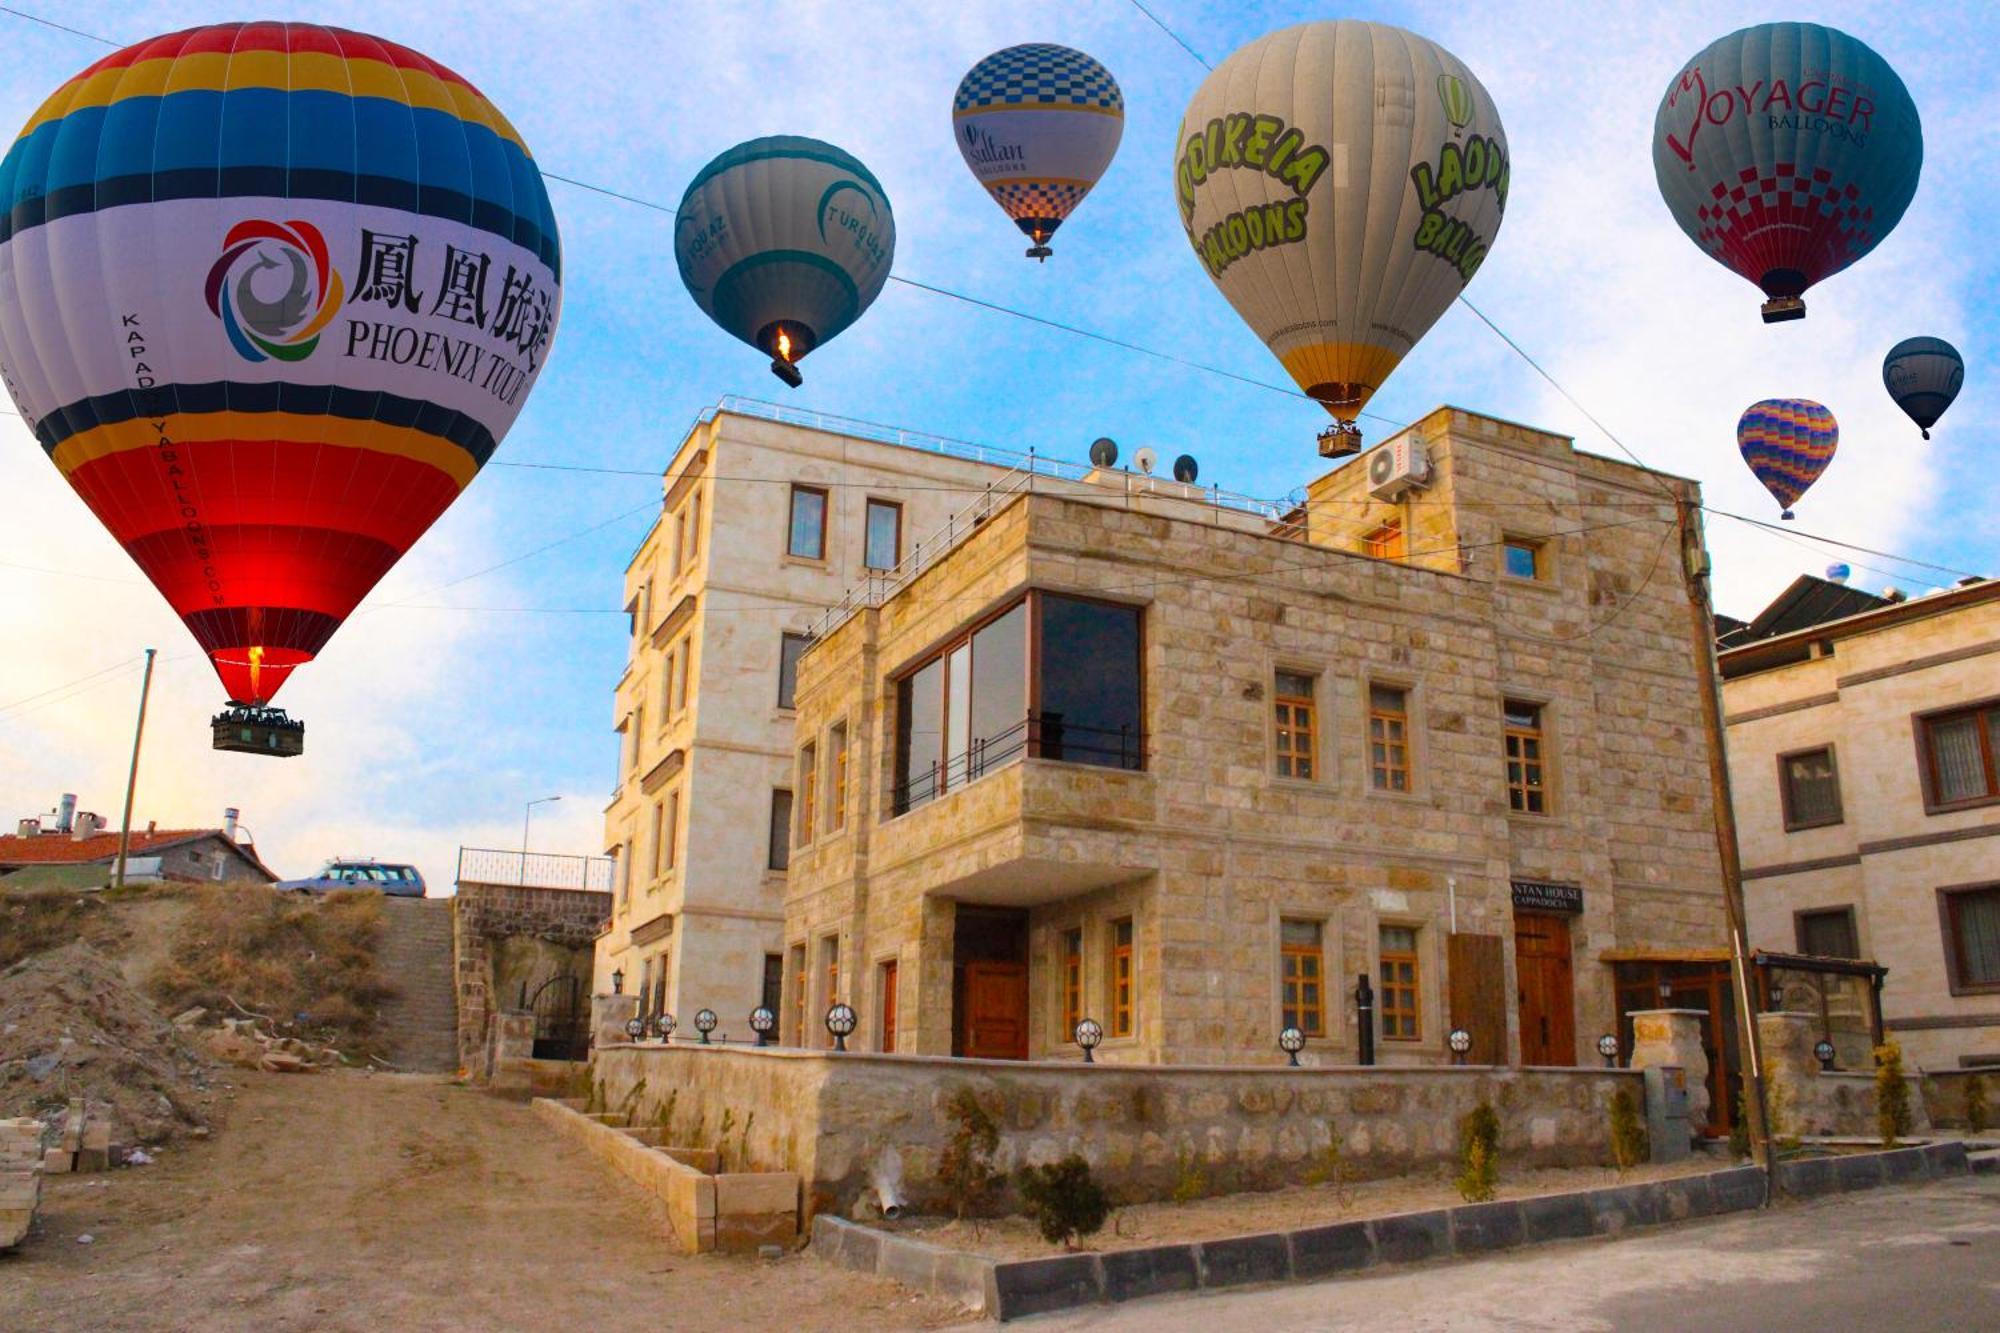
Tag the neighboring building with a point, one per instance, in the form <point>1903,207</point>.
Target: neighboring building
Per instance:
<point>81,845</point>
<point>1189,777</point>
<point>1864,751</point>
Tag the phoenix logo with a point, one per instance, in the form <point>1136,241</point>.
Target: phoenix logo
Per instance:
<point>278,317</point>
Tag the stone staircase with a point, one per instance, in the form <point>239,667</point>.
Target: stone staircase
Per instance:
<point>420,1025</point>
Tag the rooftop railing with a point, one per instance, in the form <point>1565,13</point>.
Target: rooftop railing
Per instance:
<point>536,870</point>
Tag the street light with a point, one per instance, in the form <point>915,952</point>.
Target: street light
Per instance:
<point>704,1023</point>
<point>617,981</point>
<point>1088,1033</point>
<point>762,1020</point>
<point>528,813</point>
<point>1823,1051</point>
<point>1460,1042</point>
<point>663,1025</point>
<point>840,1021</point>
<point>1607,1046</point>
<point>1291,1041</point>
<point>635,1028</point>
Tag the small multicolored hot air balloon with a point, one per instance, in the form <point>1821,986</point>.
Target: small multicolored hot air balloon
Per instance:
<point>1038,124</point>
<point>1786,152</point>
<point>1787,442</point>
<point>784,242</point>
<point>1341,182</point>
<point>1923,375</point>
<point>270,296</point>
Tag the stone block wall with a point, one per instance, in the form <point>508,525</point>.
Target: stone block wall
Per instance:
<point>1809,1100</point>
<point>493,923</point>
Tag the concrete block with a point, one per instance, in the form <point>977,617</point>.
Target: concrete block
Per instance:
<point>1477,1228</point>
<point>747,1233</point>
<point>1343,1247</point>
<point>1690,1196</point>
<point>1864,1171</point>
<point>1618,1209</point>
<point>757,1192</point>
<point>909,1262</point>
<point>704,1160</point>
<point>1558,1217</point>
<point>860,1248</point>
<point>1806,1178</point>
<point>1901,1165</point>
<point>962,1277</point>
<point>1739,1189</point>
<point>1946,1159</point>
<point>1037,1286</point>
<point>93,1159</point>
<point>1406,1238</point>
<point>57,1161</point>
<point>1159,1270</point>
<point>1245,1259</point>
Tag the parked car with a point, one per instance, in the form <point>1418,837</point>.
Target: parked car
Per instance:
<point>397,881</point>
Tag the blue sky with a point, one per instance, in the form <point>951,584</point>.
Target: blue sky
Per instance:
<point>429,728</point>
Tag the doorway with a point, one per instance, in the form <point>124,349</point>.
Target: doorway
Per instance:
<point>1544,975</point>
<point>1693,984</point>
<point>990,983</point>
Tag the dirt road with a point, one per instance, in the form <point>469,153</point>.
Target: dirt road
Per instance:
<point>365,1202</point>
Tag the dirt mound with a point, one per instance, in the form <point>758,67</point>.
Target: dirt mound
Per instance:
<point>71,1026</point>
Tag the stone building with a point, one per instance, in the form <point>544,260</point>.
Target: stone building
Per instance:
<point>1190,778</point>
<point>1864,752</point>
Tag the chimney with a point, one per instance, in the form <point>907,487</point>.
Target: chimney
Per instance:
<point>66,813</point>
<point>229,814</point>
<point>1894,594</point>
<point>151,824</point>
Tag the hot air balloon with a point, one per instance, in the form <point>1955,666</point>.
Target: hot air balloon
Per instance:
<point>1923,376</point>
<point>270,295</point>
<point>784,242</point>
<point>1786,152</point>
<point>1341,182</point>
<point>1787,442</point>
<point>1038,124</point>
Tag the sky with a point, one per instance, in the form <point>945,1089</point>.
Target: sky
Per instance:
<point>479,676</point>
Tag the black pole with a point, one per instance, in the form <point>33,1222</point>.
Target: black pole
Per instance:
<point>1364,1008</point>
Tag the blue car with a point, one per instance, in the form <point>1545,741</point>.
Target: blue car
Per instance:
<point>397,881</point>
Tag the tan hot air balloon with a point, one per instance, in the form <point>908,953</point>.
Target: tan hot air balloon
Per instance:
<point>1341,181</point>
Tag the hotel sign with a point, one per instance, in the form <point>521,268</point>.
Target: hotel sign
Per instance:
<point>1533,895</point>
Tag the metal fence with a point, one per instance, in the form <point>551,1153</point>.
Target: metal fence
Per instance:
<point>538,870</point>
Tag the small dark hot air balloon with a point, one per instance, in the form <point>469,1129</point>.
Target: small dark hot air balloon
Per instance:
<point>1923,375</point>
<point>1787,442</point>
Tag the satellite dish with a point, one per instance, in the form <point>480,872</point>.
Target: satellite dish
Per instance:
<point>1104,451</point>
<point>1838,573</point>
<point>1145,459</point>
<point>1186,469</point>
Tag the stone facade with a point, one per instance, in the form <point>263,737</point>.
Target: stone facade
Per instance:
<point>508,935</point>
<point>1860,688</point>
<point>1807,1100</point>
<point>1205,849</point>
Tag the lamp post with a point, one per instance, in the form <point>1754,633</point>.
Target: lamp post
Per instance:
<point>1088,1033</point>
<point>840,1022</point>
<point>1460,1042</point>
<point>528,813</point>
<point>762,1020</point>
<point>704,1023</point>
<point>1291,1041</point>
<point>1607,1046</point>
<point>635,1028</point>
<point>1823,1052</point>
<point>1364,1012</point>
<point>663,1026</point>
<point>617,981</point>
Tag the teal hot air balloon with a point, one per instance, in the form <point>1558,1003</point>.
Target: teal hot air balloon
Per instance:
<point>784,242</point>
<point>1923,375</point>
<point>1787,442</point>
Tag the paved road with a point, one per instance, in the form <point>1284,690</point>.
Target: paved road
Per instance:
<point>1890,1259</point>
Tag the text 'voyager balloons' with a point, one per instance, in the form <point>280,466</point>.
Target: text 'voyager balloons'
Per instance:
<point>1787,442</point>
<point>1786,152</point>
<point>270,296</point>
<point>1923,375</point>
<point>784,242</point>
<point>1341,182</point>
<point>1038,124</point>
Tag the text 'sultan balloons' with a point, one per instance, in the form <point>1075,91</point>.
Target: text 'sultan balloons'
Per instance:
<point>1787,442</point>
<point>1923,375</point>
<point>1341,182</point>
<point>1038,124</point>
<point>1786,152</point>
<point>270,295</point>
<point>784,242</point>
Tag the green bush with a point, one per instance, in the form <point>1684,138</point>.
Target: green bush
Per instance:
<point>1628,1131</point>
<point>1892,1094</point>
<point>1479,1153</point>
<point>1975,1103</point>
<point>1189,1182</point>
<point>1739,1129</point>
<point>965,1168</point>
<point>1331,1167</point>
<point>1063,1199</point>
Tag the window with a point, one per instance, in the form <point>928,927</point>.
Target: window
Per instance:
<point>659,837</point>
<point>1072,981</point>
<point>1121,977</point>
<point>1526,791</point>
<point>638,730</point>
<point>799,1028</point>
<point>780,856</point>
<point>685,662</point>
<point>885,992</point>
<point>679,545</point>
<point>773,993</point>
<point>1293,720</point>
<point>667,685</point>
<point>1810,790</point>
<point>1388,738</point>
<point>1090,683</point>
<point>693,526</point>
<point>1302,977</point>
<point>660,985</point>
<point>806,536</point>
<point>1828,932</point>
<point>790,648</point>
<point>829,974</point>
<point>622,854</point>
<point>836,776</point>
<point>808,790</point>
<point>1971,937</point>
<point>1521,558</point>
<point>883,547</point>
<point>673,830</point>
<point>1384,542</point>
<point>1960,751</point>
<point>1402,1009</point>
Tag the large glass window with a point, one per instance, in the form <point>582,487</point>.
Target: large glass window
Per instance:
<point>1962,756</point>
<point>920,736</point>
<point>884,545</point>
<point>1810,790</point>
<point>1090,683</point>
<point>790,649</point>
<point>806,535</point>
<point>1972,943</point>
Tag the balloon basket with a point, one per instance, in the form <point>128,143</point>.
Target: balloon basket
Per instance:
<point>248,729</point>
<point>1340,440</point>
<point>1786,516</point>
<point>1039,253</point>
<point>1779,309</point>
<point>787,372</point>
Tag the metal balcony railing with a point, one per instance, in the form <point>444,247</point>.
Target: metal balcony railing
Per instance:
<point>1046,736</point>
<point>539,870</point>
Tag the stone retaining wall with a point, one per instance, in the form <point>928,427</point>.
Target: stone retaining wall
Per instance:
<point>504,934</point>
<point>1944,1095</point>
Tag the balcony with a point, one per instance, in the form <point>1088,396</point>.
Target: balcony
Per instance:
<point>536,870</point>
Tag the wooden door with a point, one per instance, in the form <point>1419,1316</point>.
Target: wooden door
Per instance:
<point>1547,992</point>
<point>996,1011</point>
<point>1476,967</point>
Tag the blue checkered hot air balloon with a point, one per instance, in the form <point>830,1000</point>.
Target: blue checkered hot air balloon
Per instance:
<point>1923,375</point>
<point>1787,442</point>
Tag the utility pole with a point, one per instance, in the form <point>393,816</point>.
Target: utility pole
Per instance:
<point>132,778</point>
<point>1694,566</point>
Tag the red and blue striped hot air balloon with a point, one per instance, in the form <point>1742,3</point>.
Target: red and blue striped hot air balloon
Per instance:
<point>1787,442</point>
<point>270,295</point>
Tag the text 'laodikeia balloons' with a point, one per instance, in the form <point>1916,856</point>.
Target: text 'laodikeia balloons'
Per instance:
<point>784,242</point>
<point>270,296</point>
<point>1786,152</point>
<point>1923,375</point>
<point>1341,182</point>
<point>1038,124</point>
<point>1787,442</point>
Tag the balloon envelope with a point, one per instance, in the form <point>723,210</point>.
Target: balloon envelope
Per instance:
<point>1787,442</point>
<point>1341,182</point>
<point>1038,124</point>
<point>1786,152</point>
<point>784,241</point>
<point>1923,375</point>
<point>270,295</point>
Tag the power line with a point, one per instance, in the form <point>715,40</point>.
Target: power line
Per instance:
<point>1171,33</point>
<point>648,507</point>
<point>53,689</point>
<point>59,27</point>
<point>1845,546</point>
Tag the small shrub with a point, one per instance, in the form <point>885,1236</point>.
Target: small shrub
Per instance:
<point>1892,1094</point>
<point>1739,1130</point>
<point>1628,1131</point>
<point>1331,1167</point>
<point>1189,1182</point>
<point>1065,1202</point>
<point>965,1168</point>
<point>1478,1153</point>
<point>1975,1103</point>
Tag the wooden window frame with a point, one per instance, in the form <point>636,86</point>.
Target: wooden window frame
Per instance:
<point>1792,822</point>
<point>1387,540</point>
<point>807,787</point>
<point>1537,550</point>
<point>798,961</point>
<point>1921,724</point>
<point>1290,986</point>
<point>1121,979</point>
<point>867,512</point>
<point>886,976</point>
<point>791,518</point>
<point>1069,977</point>
<point>1408,767</point>
<point>1540,735</point>
<point>836,776</point>
<point>829,977</point>
<point>1799,916</point>
<point>1954,951</point>
<point>1415,987</point>
<point>1285,718</point>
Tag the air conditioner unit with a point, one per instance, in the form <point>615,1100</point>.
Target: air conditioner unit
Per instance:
<point>1396,467</point>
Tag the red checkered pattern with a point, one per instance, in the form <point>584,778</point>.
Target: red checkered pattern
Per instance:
<point>1784,220</point>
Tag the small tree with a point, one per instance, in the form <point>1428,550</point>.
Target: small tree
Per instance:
<point>1892,1094</point>
<point>1190,1183</point>
<point>1739,1129</point>
<point>1975,1103</point>
<point>1479,1153</point>
<point>1628,1132</point>
<point>1065,1202</point>
<point>966,1166</point>
<point>1331,1167</point>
